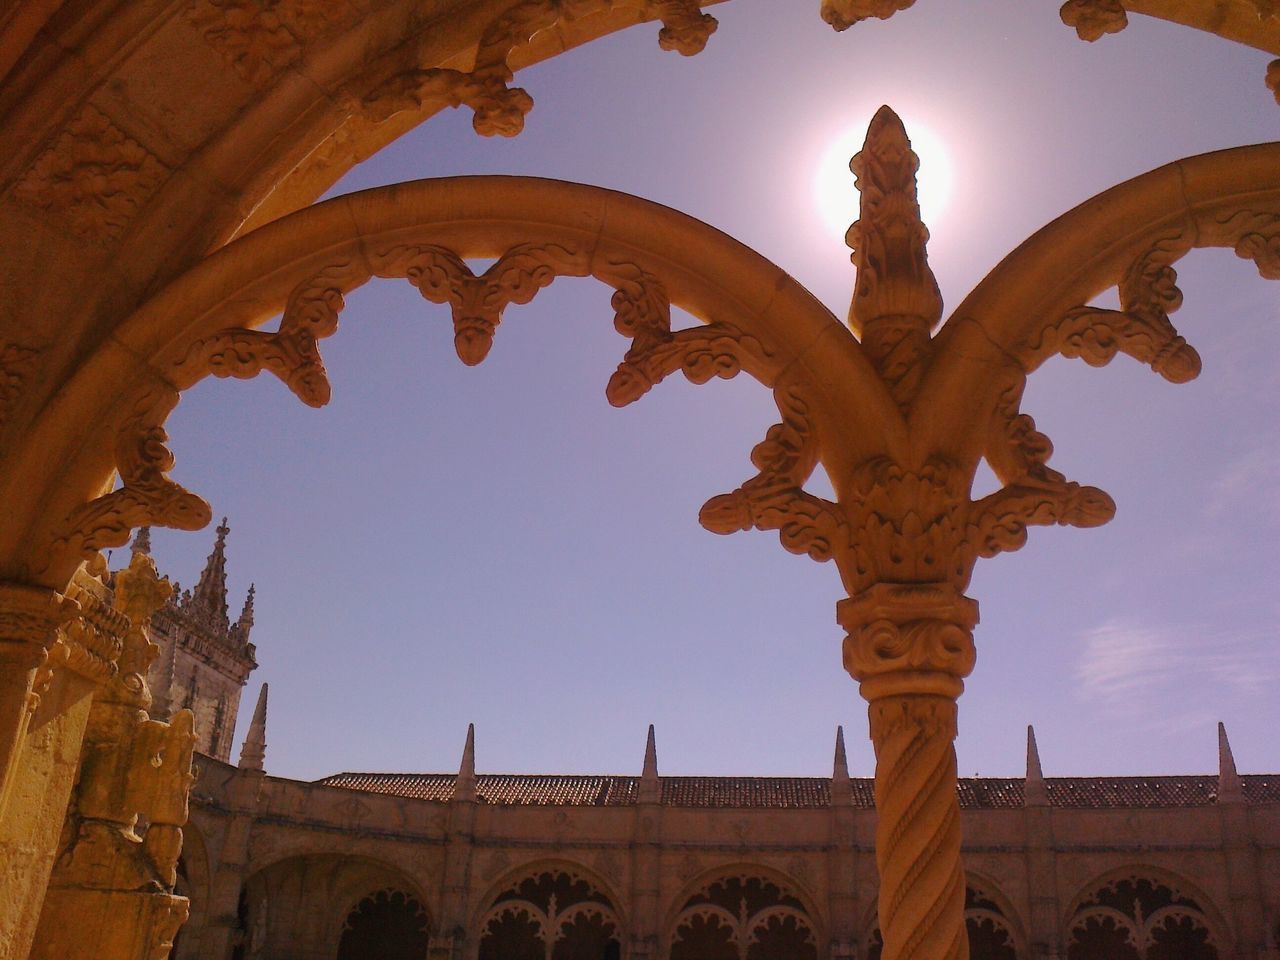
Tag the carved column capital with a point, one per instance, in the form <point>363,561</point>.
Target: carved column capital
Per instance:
<point>909,638</point>
<point>29,621</point>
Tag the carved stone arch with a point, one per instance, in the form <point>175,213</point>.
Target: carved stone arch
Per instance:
<point>803,904</point>
<point>756,318</point>
<point>309,895</point>
<point>989,915</point>
<point>1201,907</point>
<point>1034,304</point>
<point>509,878</point>
<point>194,884</point>
<point>545,907</point>
<point>388,914</point>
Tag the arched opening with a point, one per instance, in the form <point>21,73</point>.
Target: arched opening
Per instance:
<point>1136,917</point>
<point>552,914</point>
<point>991,935</point>
<point>387,925</point>
<point>743,917</point>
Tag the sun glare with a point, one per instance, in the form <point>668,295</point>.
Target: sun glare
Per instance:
<point>833,190</point>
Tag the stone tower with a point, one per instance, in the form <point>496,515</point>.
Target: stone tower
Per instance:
<point>205,659</point>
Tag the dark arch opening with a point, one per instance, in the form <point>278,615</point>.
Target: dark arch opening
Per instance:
<point>387,925</point>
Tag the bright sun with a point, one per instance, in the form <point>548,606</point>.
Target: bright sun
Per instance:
<point>833,190</point>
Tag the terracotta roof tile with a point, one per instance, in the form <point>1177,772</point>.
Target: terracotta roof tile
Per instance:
<point>975,793</point>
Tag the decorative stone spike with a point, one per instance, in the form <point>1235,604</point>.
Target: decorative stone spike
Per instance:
<point>1230,786</point>
<point>1034,792</point>
<point>650,786</point>
<point>464,789</point>
<point>141,541</point>
<point>840,771</point>
<point>253,752</point>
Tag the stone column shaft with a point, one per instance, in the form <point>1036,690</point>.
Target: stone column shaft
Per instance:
<point>909,645</point>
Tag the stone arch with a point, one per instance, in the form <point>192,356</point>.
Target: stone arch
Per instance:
<point>549,910</point>
<point>743,911</point>
<point>758,319</point>
<point>995,930</point>
<point>306,899</point>
<point>1143,912</point>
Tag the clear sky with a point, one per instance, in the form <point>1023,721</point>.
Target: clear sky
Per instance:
<point>444,545</point>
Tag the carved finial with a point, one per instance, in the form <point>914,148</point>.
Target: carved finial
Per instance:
<point>253,752</point>
<point>210,596</point>
<point>141,541</point>
<point>1034,792</point>
<point>465,786</point>
<point>896,302</point>
<point>243,626</point>
<point>1230,786</point>
<point>650,788</point>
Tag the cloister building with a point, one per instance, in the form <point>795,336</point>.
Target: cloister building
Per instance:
<point>467,866</point>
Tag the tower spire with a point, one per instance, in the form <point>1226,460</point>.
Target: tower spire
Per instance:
<point>465,786</point>
<point>210,596</point>
<point>650,786</point>
<point>1035,794</point>
<point>1230,786</point>
<point>141,542</point>
<point>253,752</point>
<point>896,301</point>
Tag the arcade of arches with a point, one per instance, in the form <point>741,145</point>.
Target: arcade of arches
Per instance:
<point>158,162</point>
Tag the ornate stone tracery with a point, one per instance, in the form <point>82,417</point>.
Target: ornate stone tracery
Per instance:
<point>743,917</point>
<point>555,914</point>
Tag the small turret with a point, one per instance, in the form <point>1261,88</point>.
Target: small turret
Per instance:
<point>650,786</point>
<point>240,632</point>
<point>464,789</point>
<point>253,752</point>
<point>1230,786</point>
<point>1035,794</point>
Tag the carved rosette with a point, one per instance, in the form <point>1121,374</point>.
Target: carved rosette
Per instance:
<point>910,646</point>
<point>1094,19</point>
<point>95,176</point>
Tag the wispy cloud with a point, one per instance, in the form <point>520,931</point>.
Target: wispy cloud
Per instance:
<point>1252,480</point>
<point>1162,674</point>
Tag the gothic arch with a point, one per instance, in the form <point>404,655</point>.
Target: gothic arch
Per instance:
<point>387,924</point>
<point>1161,899</point>
<point>745,901</point>
<point>554,909</point>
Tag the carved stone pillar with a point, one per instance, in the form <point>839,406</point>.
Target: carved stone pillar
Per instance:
<point>111,893</point>
<point>909,646</point>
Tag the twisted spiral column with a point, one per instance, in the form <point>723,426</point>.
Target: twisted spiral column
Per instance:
<point>909,646</point>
